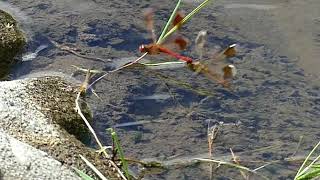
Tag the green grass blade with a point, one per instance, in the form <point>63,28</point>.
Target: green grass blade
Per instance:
<point>316,166</point>
<point>303,169</point>
<point>310,175</point>
<point>83,175</point>
<point>164,31</point>
<point>184,20</point>
<point>120,152</point>
<point>306,169</point>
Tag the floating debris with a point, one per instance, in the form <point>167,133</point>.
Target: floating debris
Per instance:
<point>160,97</point>
<point>250,6</point>
<point>31,56</point>
<point>165,65</point>
<point>136,123</point>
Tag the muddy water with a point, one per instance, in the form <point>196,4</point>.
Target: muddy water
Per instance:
<point>274,101</point>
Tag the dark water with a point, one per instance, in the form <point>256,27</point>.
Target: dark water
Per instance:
<point>275,99</point>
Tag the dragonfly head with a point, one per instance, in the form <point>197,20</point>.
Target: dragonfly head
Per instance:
<point>142,48</point>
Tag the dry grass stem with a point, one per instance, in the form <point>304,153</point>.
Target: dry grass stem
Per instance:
<point>103,150</point>
<point>73,51</point>
<point>94,169</point>
<point>231,165</point>
<point>236,160</point>
<point>212,135</point>
<point>115,70</point>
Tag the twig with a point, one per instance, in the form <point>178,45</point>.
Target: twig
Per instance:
<point>86,70</point>
<point>122,67</point>
<point>151,164</point>
<point>212,134</point>
<point>230,164</point>
<point>298,146</point>
<point>263,166</point>
<point>68,49</point>
<point>83,87</point>
<point>236,161</point>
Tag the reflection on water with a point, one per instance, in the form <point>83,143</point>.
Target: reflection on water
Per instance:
<point>163,113</point>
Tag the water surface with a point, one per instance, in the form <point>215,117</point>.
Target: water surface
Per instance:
<point>275,98</point>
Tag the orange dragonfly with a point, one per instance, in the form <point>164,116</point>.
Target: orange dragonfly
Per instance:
<point>215,70</point>
<point>154,48</point>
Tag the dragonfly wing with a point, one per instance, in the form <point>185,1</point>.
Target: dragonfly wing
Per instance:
<point>178,19</point>
<point>148,17</point>
<point>217,78</point>
<point>200,42</point>
<point>226,53</point>
<point>176,43</point>
<point>229,71</point>
<point>215,75</point>
<point>221,72</point>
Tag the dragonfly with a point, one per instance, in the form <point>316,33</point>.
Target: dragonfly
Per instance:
<point>215,69</point>
<point>154,48</point>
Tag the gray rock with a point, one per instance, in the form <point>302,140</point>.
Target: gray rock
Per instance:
<point>22,161</point>
<point>40,112</point>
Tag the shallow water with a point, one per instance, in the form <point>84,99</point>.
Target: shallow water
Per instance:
<point>275,97</point>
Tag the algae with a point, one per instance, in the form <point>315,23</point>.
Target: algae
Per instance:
<point>56,98</point>
<point>12,41</point>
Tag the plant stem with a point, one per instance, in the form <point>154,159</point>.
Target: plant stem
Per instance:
<point>120,152</point>
<point>164,31</point>
<point>95,136</point>
<point>124,66</point>
<point>184,20</point>
<point>300,171</point>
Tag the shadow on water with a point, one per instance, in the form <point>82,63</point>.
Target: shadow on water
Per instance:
<point>165,117</point>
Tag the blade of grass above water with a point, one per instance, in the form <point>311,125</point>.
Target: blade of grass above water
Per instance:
<point>116,142</point>
<point>183,21</point>
<point>165,65</point>
<point>164,31</point>
<point>303,169</point>
<point>83,175</point>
